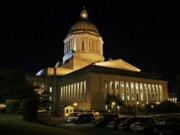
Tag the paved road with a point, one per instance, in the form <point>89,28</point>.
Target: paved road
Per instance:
<point>88,129</point>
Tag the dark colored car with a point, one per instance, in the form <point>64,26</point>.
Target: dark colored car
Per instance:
<point>145,125</point>
<point>71,116</point>
<point>171,127</point>
<point>113,124</point>
<point>83,118</point>
<point>105,119</point>
<point>126,124</point>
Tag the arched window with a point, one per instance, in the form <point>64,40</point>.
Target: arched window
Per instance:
<point>132,90</point>
<point>111,88</point>
<point>116,89</point>
<point>122,90</point>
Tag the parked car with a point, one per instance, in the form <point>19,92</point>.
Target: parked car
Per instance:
<point>70,117</point>
<point>143,124</point>
<point>105,119</point>
<point>126,124</point>
<point>83,118</point>
<point>113,124</point>
<point>171,126</point>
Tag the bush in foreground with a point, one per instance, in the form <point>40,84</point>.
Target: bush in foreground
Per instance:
<point>29,110</point>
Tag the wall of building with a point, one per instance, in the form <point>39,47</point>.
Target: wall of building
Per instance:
<point>90,90</point>
<point>75,89</point>
<point>141,93</point>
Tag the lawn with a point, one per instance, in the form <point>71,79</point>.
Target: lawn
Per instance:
<point>13,124</point>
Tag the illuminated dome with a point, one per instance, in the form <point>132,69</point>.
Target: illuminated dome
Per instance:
<point>83,44</point>
<point>84,25</point>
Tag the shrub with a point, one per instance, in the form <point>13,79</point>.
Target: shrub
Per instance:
<point>168,107</point>
<point>12,105</point>
<point>29,110</point>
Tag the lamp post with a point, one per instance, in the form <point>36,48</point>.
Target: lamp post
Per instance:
<point>137,107</point>
<point>112,105</point>
<point>75,106</point>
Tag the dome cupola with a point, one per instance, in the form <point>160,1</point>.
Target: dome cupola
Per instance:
<point>84,25</point>
<point>83,41</point>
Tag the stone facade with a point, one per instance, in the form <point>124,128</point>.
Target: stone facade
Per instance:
<point>90,86</point>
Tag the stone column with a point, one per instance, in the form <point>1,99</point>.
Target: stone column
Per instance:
<point>75,92</point>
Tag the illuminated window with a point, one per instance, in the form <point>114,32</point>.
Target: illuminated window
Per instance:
<point>111,87</point>
<point>61,95</point>
<point>50,89</point>
<point>141,86</point>
<point>137,87</point>
<point>122,96</point>
<point>132,85</point>
<point>128,97</point>
<point>50,98</point>
<point>142,98</point>
<point>146,91</point>
<point>160,92</point>
<point>141,92</point>
<point>127,87</point>
<point>122,86</point>
<point>84,95</point>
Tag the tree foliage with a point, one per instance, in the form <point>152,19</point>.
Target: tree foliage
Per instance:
<point>177,86</point>
<point>168,107</point>
<point>13,85</point>
<point>114,98</point>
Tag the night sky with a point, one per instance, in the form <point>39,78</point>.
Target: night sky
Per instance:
<point>145,34</point>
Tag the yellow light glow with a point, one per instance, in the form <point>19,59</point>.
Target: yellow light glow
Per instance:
<point>2,105</point>
<point>113,103</point>
<point>75,104</point>
<point>157,103</point>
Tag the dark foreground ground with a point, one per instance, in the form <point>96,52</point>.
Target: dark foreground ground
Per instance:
<point>14,125</point>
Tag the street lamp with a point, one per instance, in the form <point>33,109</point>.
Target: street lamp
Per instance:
<point>137,106</point>
<point>75,105</point>
<point>157,103</point>
<point>112,105</point>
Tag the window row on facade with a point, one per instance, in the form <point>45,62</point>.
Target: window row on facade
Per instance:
<point>133,91</point>
<point>75,92</point>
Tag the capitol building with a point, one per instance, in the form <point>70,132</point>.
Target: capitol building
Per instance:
<point>85,78</point>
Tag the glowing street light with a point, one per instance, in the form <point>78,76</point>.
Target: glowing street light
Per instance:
<point>137,106</point>
<point>75,104</point>
<point>137,103</point>
<point>113,103</point>
<point>157,103</point>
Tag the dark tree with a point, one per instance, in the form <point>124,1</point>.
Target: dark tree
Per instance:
<point>168,107</point>
<point>113,98</point>
<point>177,86</point>
<point>13,85</point>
